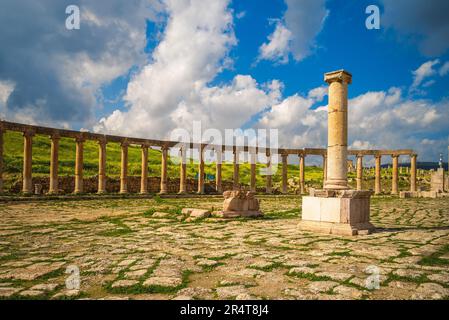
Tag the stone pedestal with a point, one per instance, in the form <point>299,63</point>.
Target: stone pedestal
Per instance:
<point>342,212</point>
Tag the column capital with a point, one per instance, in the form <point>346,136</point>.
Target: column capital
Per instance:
<point>359,155</point>
<point>165,148</point>
<point>413,155</point>
<point>29,133</point>
<point>395,155</point>
<point>145,146</point>
<point>80,138</point>
<point>124,143</point>
<point>338,76</point>
<point>55,136</point>
<point>102,141</point>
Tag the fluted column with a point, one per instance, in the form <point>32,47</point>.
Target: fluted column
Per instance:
<point>27,161</point>
<point>79,158</point>
<point>201,170</point>
<point>236,180</point>
<point>102,166</point>
<point>164,187</point>
<point>337,149</point>
<point>218,185</point>
<point>284,173</point>
<point>359,171</point>
<point>269,173</point>
<point>54,159</point>
<point>253,161</point>
<point>124,167</point>
<point>1,158</point>
<point>302,159</point>
<point>183,172</point>
<point>144,170</point>
<point>378,172</point>
<point>394,178</point>
<point>413,172</point>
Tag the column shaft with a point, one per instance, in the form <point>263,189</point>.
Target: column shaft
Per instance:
<point>413,172</point>
<point>102,166</point>
<point>27,162</point>
<point>201,170</point>
<point>284,173</point>
<point>253,171</point>
<point>124,168</point>
<point>144,170</point>
<point>164,187</point>
<point>394,178</point>
<point>218,184</point>
<point>79,165</point>
<point>236,180</point>
<point>269,174</point>
<point>324,169</point>
<point>54,156</point>
<point>183,172</point>
<point>377,181</point>
<point>302,159</point>
<point>359,172</point>
<point>1,159</point>
<point>337,150</point>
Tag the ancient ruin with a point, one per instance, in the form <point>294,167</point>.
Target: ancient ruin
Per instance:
<point>239,203</point>
<point>336,209</point>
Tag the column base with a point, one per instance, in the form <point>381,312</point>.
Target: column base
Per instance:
<point>101,192</point>
<point>342,212</point>
<point>182,192</point>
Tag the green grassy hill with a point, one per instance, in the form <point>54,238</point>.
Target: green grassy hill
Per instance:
<point>13,162</point>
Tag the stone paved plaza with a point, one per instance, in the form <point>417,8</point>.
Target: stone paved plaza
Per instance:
<point>143,249</point>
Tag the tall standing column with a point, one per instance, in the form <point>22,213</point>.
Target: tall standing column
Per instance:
<point>337,150</point>
<point>324,169</point>
<point>102,166</point>
<point>253,159</point>
<point>413,172</point>
<point>124,167</point>
<point>269,173</point>
<point>302,159</point>
<point>377,173</point>
<point>79,164</point>
<point>284,173</point>
<point>201,170</point>
<point>359,171</point>
<point>1,158</point>
<point>54,156</point>
<point>183,172</point>
<point>164,187</point>
<point>27,161</point>
<point>394,178</point>
<point>218,185</point>
<point>236,180</point>
<point>144,170</point>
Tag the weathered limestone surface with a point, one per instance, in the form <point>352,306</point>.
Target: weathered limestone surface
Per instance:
<point>239,203</point>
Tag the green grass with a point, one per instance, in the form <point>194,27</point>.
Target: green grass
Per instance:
<point>434,259</point>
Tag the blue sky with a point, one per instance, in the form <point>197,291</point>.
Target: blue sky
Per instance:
<point>148,67</point>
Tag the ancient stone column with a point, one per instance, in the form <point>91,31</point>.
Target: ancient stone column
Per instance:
<point>253,161</point>
<point>377,181</point>
<point>183,172</point>
<point>394,178</point>
<point>124,167</point>
<point>164,187</point>
<point>337,151</point>
<point>1,158</point>
<point>236,180</point>
<point>102,166</point>
<point>27,162</point>
<point>413,172</point>
<point>324,169</point>
<point>218,185</point>
<point>144,170</point>
<point>284,173</point>
<point>269,172</point>
<point>302,159</point>
<point>201,170</point>
<point>79,164</point>
<point>54,155</point>
<point>359,171</point>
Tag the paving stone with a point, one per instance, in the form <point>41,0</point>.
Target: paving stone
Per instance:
<point>348,293</point>
<point>163,281</point>
<point>45,287</point>
<point>124,283</point>
<point>6,292</point>
<point>207,263</point>
<point>31,293</point>
<point>321,286</point>
<point>430,291</point>
<point>231,292</point>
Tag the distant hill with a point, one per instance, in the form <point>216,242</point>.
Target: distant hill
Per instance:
<point>420,165</point>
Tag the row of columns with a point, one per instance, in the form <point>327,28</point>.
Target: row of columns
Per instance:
<point>54,155</point>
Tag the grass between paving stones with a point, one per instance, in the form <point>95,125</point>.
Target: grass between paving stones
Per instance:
<point>434,259</point>
<point>122,228</point>
<point>269,268</point>
<point>394,277</point>
<point>287,214</point>
<point>139,288</point>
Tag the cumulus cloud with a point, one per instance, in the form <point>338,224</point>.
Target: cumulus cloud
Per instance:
<point>174,89</point>
<point>424,21</point>
<point>424,71</point>
<point>444,70</point>
<point>295,32</point>
<point>58,72</point>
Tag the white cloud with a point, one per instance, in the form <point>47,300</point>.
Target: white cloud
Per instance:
<point>318,94</point>
<point>278,46</point>
<point>295,32</point>
<point>6,87</point>
<point>444,70</point>
<point>424,71</point>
